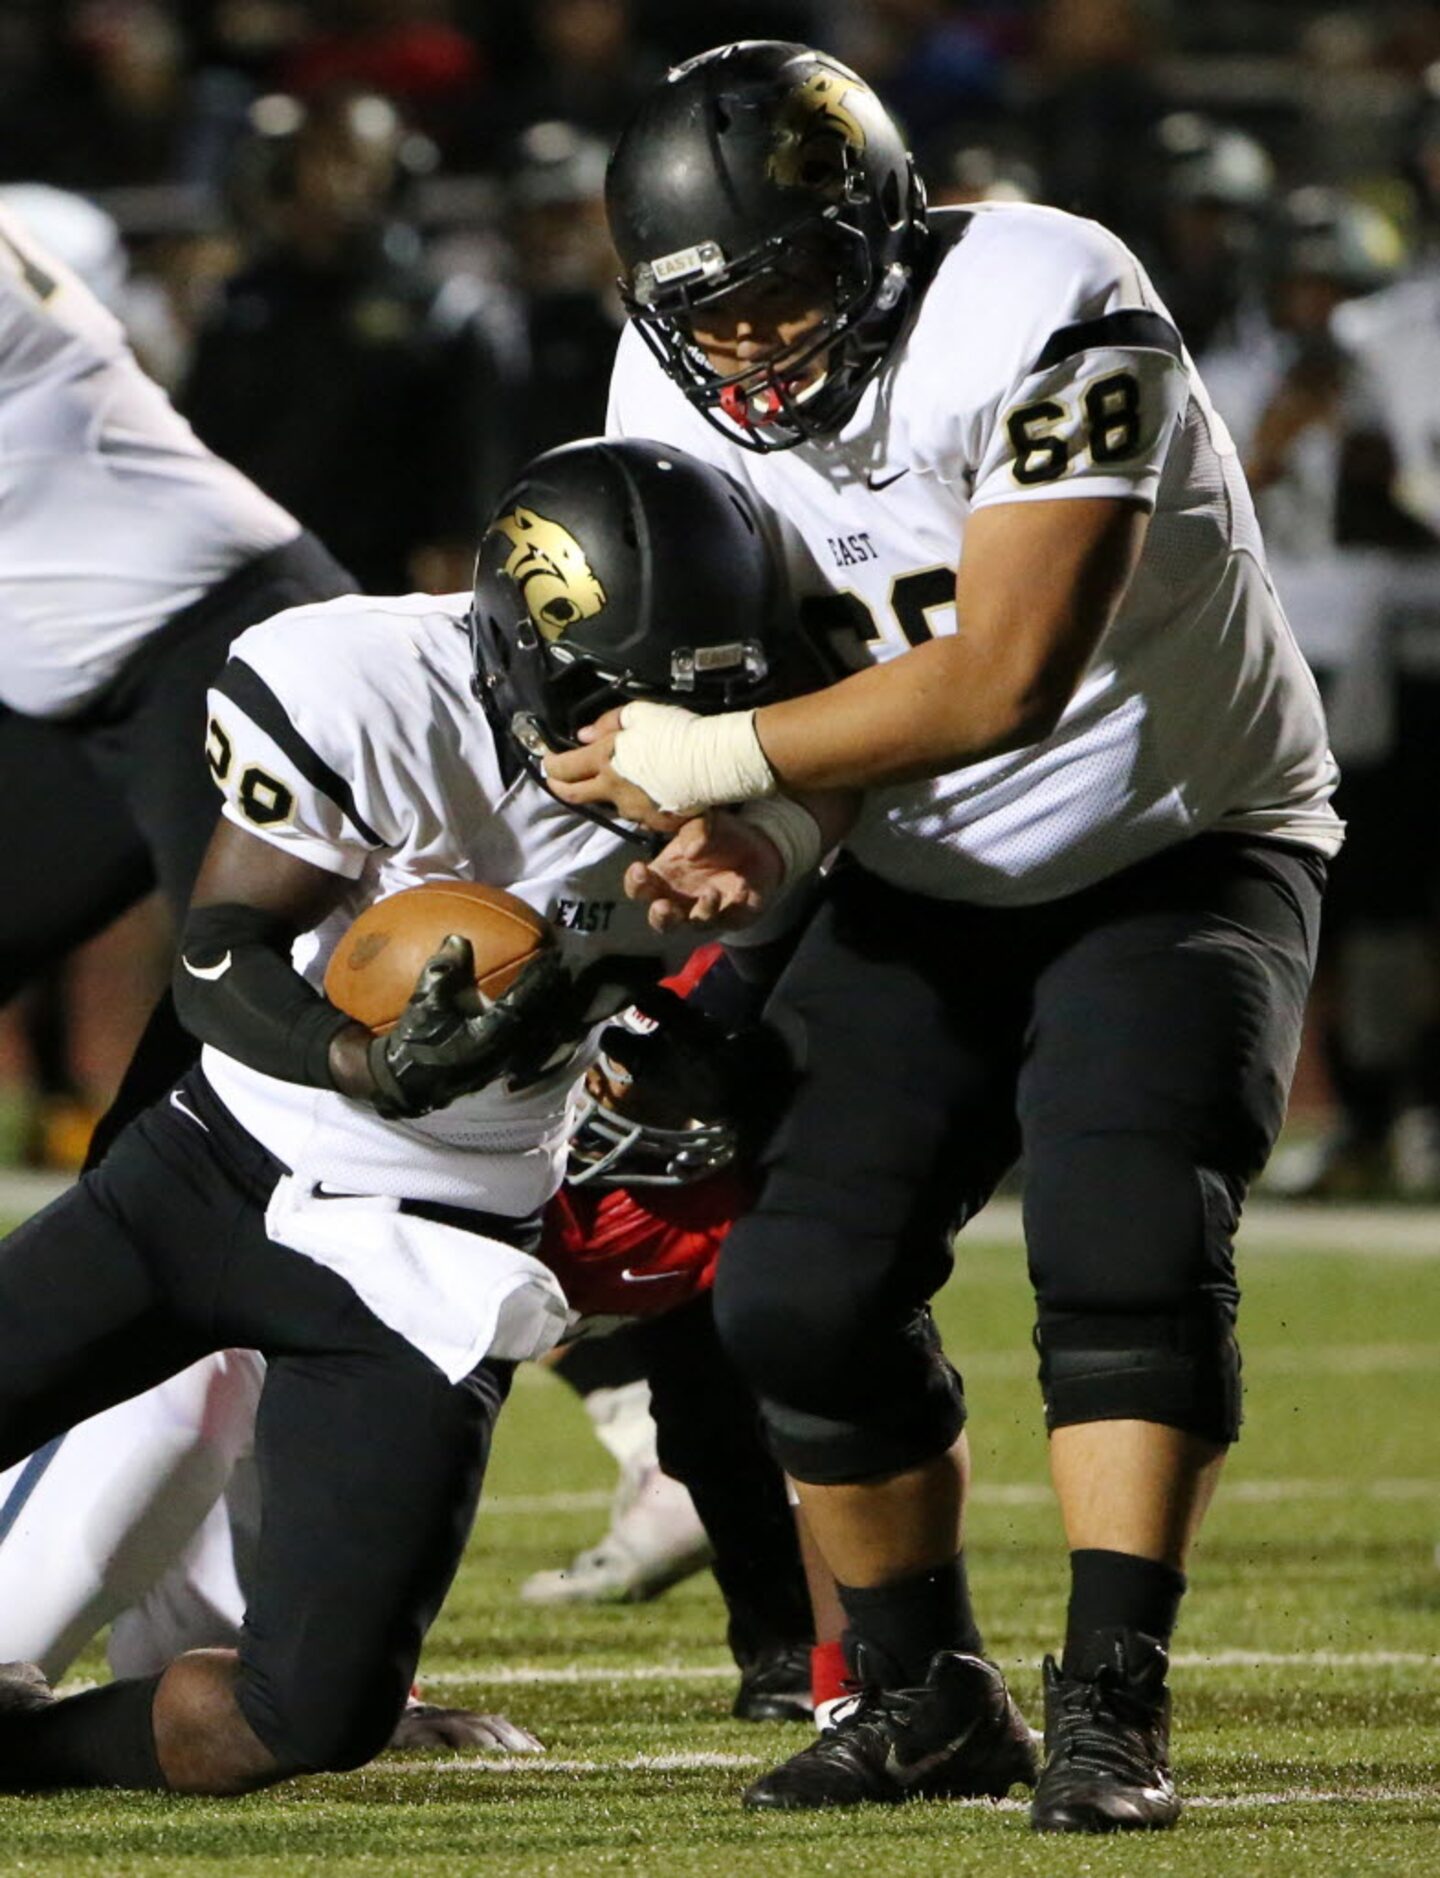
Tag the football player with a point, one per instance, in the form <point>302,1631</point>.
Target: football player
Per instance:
<point>363,1209</point>
<point>130,557</point>
<point>144,1516</point>
<point>1077,907</point>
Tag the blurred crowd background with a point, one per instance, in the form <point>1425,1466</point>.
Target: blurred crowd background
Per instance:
<point>362,244</point>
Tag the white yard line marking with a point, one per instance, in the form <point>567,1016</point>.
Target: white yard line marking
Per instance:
<point>24,1191</point>
<point>542,1764</point>
<point>1306,1659</point>
<point>514,1505</point>
<point>1346,1359</point>
<point>1251,1492</point>
<point>1037,1493</point>
<point>506,1675</point>
<point>1275,1225</point>
<point>523,1675</point>
<point>1300,1796</point>
<point>1396,1231</point>
<point>534,1675</point>
<point>677,1763</point>
<point>1339,1359</point>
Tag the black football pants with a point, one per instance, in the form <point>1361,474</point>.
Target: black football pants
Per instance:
<point>370,1460</point>
<point>1136,1041</point>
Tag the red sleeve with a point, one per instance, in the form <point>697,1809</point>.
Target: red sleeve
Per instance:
<point>683,982</point>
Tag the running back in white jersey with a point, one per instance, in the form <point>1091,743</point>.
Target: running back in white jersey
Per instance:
<point>1041,365</point>
<point>113,516</point>
<point>346,734</point>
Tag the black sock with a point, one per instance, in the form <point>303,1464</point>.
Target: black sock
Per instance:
<point>900,1626</point>
<point>1112,1591</point>
<point>757,1564</point>
<point>104,1738</point>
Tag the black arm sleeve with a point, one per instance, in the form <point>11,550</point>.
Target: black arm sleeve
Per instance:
<point>235,987</point>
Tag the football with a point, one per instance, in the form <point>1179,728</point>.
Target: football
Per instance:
<point>372,971</point>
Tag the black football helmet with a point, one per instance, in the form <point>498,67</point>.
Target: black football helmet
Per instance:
<point>765,159</point>
<point>618,569</point>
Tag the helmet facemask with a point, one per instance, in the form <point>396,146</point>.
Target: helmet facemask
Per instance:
<point>621,1139</point>
<point>544,695</point>
<point>807,389</point>
<point>607,1150</point>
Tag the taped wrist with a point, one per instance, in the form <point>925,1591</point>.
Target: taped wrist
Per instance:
<point>791,830</point>
<point>686,762</point>
<point>235,988</point>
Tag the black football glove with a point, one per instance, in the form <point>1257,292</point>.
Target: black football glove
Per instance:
<point>597,991</point>
<point>450,1040</point>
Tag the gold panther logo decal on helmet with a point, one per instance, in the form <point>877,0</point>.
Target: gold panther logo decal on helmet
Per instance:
<point>814,131</point>
<point>548,565</point>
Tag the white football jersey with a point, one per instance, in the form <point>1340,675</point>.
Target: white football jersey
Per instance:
<point>113,516</point>
<point>1393,339</point>
<point>1297,511</point>
<point>346,734</point>
<point>1041,365</point>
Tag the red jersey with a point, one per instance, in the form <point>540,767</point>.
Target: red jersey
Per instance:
<point>622,1252</point>
<point>619,1253</point>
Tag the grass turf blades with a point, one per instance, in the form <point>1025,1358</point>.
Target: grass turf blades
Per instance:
<point>1307,1686</point>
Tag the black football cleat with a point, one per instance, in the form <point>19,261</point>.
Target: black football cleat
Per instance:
<point>1107,1743</point>
<point>959,1737</point>
<point>775,1686</point>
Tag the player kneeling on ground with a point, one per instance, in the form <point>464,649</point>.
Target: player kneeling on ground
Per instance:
<point>145,1517</point>
<point>363,1209</point>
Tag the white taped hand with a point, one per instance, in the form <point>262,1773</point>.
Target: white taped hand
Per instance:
<point>684,762</point>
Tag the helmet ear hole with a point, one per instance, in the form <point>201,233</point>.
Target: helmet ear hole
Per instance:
<point>890,203</point>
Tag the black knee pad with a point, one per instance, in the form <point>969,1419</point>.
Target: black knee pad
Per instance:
<point>1130,1252</point>
<point>1181,1369</point>
<point>883,1432</point>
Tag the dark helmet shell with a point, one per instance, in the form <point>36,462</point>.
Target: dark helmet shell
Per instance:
<point>739,161</point>
<point>618,569</point>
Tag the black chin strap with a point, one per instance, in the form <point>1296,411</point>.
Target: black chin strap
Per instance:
<point>648,842</point>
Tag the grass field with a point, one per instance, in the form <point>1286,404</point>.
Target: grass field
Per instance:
<point>1307,1683</point>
